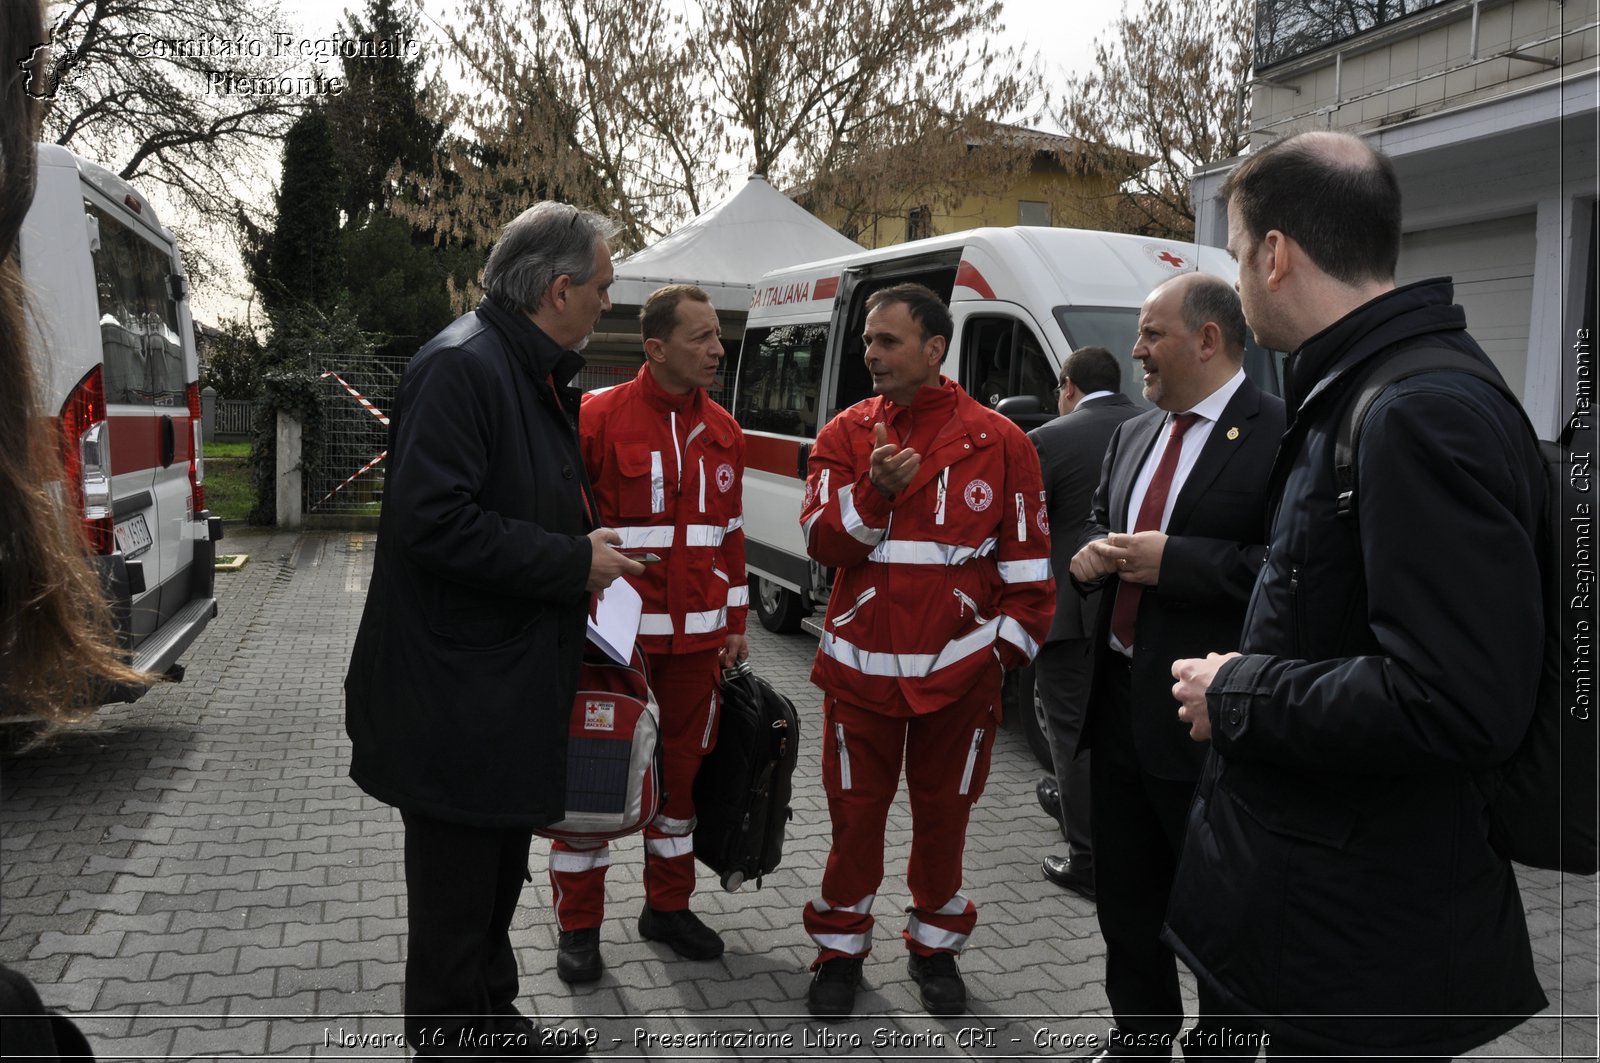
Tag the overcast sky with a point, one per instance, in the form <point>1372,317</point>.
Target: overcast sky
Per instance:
<point>1061,33</point>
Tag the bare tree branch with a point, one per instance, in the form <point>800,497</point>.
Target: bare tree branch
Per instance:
<point>1165,84</point>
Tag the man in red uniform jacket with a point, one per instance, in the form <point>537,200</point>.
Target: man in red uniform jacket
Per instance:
<point>667,464</point>
<point>930,507</point>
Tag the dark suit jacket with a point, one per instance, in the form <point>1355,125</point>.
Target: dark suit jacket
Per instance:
<point>466,663</point>
<point>1213,553</point>
<point>1071,449</point>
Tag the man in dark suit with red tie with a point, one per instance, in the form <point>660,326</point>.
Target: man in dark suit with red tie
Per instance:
<point>1174,535</point>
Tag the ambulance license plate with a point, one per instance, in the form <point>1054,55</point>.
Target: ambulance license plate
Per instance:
<point>133,536</point>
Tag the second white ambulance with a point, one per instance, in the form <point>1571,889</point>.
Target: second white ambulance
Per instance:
<point>1022,299</point>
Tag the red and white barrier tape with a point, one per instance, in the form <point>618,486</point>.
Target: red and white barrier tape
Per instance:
<point>364,469</point>
<point>362,399</point>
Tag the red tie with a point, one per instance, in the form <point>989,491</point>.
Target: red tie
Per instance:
<point>1150,510</point>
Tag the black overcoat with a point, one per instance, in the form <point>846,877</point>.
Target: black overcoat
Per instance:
<point>466,661</point>
<point>1337,880</point>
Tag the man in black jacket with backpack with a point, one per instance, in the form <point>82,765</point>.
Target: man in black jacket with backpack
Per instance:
<point>1337,881</point>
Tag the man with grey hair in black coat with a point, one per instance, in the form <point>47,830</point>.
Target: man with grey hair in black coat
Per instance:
<point>466,662</point>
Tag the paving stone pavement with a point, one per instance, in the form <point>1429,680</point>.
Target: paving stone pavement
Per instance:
<point>194,877</point>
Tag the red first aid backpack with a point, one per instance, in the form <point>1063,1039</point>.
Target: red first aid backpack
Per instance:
<point>613,753</point>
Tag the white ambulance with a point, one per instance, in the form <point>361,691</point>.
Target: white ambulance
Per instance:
<point>107,302</point>
<point>1022,299</point>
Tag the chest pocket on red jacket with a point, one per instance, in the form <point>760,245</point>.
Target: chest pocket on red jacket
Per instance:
<point>641,480</point>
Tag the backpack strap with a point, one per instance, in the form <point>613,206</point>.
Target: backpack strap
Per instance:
<point>1375,380</point>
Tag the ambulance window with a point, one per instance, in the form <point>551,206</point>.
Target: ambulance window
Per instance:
<point>1037,377</point>
<point>138,320</point>
<point>1115,328</point>
<point>1004,358</point>
<point>780,376</point>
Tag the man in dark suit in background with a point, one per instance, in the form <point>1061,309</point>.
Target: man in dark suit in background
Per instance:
<point>465,666</point>
<point>1071,449</point>
<point>1174,535</point>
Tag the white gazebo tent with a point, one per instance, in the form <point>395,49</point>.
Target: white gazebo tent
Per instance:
<point>725,251</point>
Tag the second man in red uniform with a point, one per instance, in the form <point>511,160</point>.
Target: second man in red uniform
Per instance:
<point>667,464</point>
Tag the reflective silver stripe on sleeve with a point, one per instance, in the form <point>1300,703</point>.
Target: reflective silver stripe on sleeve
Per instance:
<point>852,521</point>
<point>914,552</point>
<point>658,537</point>
<point>1035,571</point>
<point>822,486</point>
<point>1015,634</point>
<point>1022,519</point>
<point>735,524</point>
<point>703,534</point>
<point>809,523</point>
<point>738,596</point>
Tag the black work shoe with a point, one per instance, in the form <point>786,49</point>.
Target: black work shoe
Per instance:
<point>1049,795</point>
<point>833,987</point>
<point>1061,871</point>
<point>943,992</point>
<point>682,931</point>
<point>578,955</point>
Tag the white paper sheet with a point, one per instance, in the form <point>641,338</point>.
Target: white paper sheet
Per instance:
<point>616,621</point>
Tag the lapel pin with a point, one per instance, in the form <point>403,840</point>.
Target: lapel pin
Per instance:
<point>1233,433</point>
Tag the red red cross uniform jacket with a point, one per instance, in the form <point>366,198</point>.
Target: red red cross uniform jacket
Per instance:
<point>931,586</point>
<point>668,473</point>
<point>934,592</point>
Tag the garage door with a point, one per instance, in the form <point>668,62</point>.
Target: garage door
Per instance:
<point>1492,263</point>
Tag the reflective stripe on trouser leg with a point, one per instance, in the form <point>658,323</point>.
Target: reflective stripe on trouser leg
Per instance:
<point>685,685</point>
<point>947,765</point>
<point>840,920</point>
<point>839,931</point>
<point>578,884</point>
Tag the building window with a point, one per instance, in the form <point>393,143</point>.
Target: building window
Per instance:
<point>919,223</point>
<point>1030,212</point>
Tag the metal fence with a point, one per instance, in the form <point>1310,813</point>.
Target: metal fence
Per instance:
<point>347,476</point>
<point>236,420</point>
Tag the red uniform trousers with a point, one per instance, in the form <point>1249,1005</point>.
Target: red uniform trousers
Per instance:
<point>685,686</point>
<point>946,756</point>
